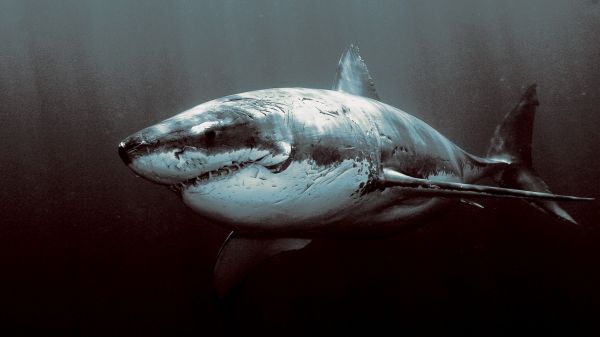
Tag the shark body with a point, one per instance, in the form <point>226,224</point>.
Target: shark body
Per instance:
<point>280,166</point>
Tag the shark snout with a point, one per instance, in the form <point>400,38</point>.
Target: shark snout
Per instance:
<point>123,153</point>
<point>129,147</point>
<point>157,161</point>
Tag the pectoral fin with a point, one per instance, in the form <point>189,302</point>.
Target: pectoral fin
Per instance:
<point>460,190</point>
<point>239,255</point>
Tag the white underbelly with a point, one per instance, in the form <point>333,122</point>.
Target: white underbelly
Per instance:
<point>305,195</point>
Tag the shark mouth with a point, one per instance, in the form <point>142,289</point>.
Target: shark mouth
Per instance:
<point>227,171</point>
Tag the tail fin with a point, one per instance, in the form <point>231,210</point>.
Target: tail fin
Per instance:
<point>511,143</point>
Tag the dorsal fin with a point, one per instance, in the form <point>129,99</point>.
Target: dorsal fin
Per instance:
<point>353,76</point>
<point>239,255</point>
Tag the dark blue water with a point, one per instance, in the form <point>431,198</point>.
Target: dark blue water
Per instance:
<point>88,249</point>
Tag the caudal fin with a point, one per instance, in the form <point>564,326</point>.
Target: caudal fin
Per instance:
<point>511,144</point>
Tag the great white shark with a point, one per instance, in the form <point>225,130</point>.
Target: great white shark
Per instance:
<point>281,166</point>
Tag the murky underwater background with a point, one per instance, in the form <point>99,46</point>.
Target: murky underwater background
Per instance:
<point>88,249</point>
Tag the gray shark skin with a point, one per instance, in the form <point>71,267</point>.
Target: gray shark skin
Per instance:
<point>309,161</point>
<point>280,166</point>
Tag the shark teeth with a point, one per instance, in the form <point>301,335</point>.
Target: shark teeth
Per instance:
<point>222,172</point>
<point>226,171</point>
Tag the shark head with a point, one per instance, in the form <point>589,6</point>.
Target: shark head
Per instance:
<point>211,143</point>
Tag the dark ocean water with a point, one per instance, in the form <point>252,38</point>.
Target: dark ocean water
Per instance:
<point>87,249</point>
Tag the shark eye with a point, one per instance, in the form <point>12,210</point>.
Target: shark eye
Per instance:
<point>210,135</point>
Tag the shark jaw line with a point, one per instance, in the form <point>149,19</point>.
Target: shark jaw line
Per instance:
<point>228,171</point>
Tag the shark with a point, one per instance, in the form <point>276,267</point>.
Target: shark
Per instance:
<point>279,167</point>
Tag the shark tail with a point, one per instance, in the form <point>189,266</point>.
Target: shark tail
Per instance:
<point>511,144</point>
